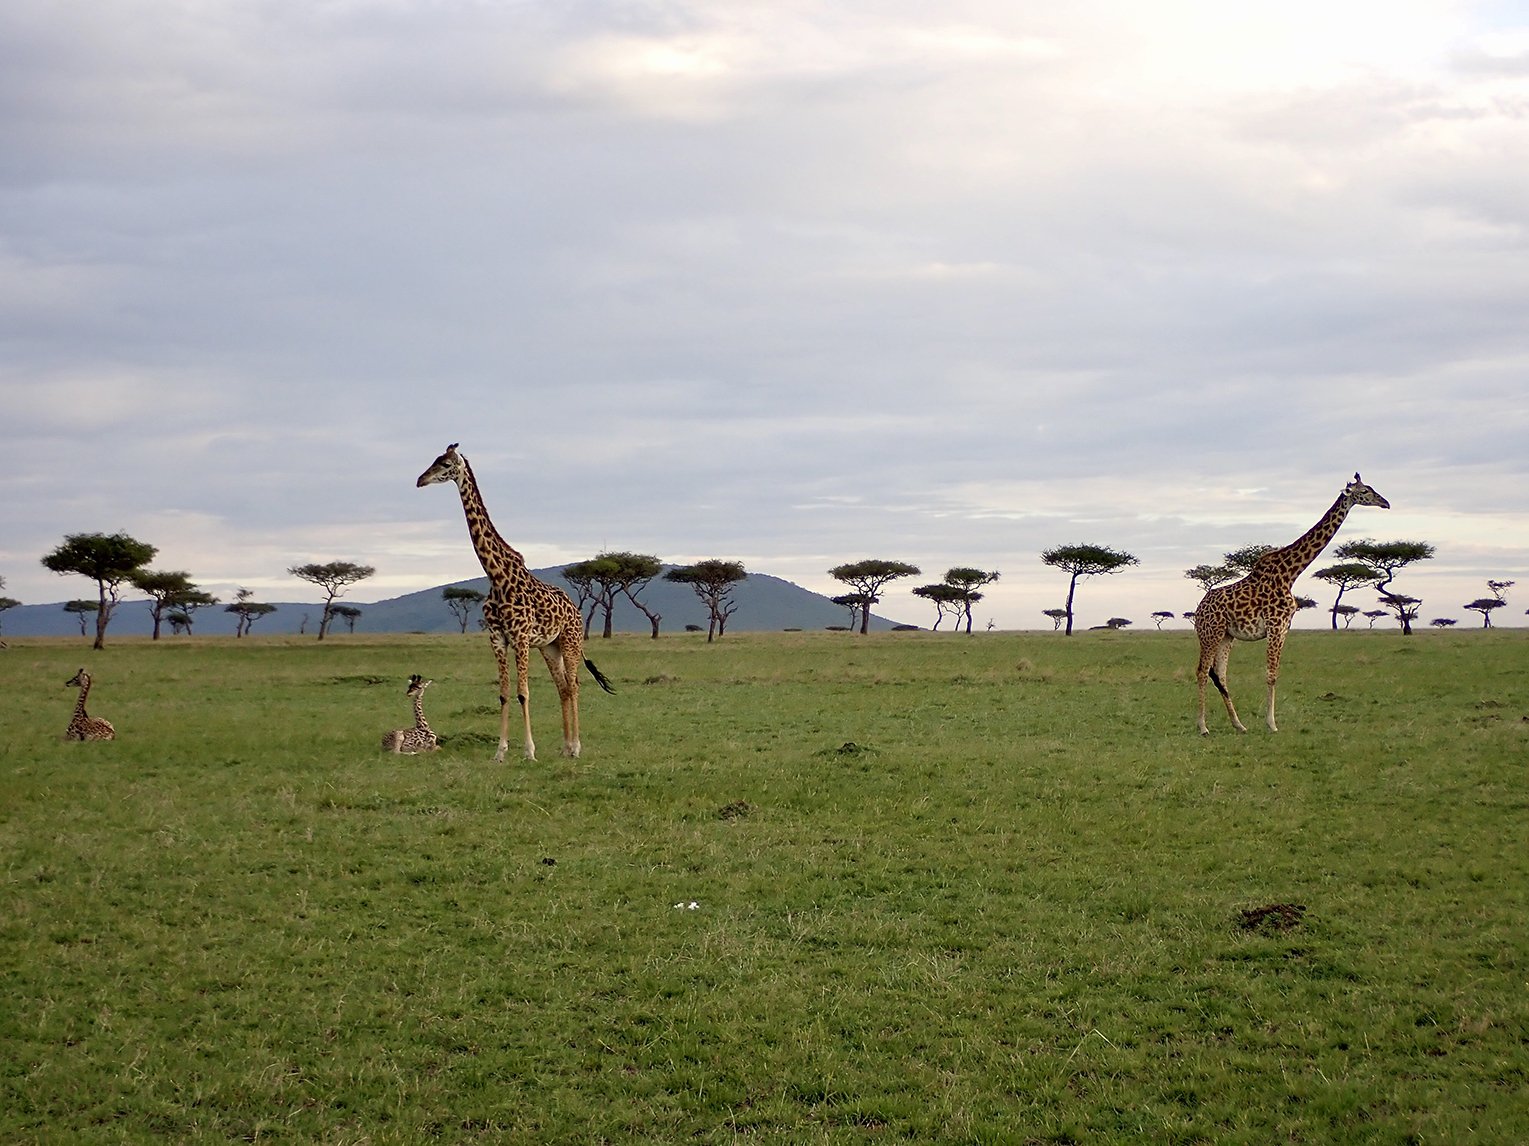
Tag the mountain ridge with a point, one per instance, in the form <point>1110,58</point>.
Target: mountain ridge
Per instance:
<point>765,603</point>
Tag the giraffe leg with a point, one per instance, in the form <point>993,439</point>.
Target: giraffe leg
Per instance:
<point>523,694</point>
<point>1276,645</point>
<point>1218,674</point>
<point>1202,672</point>
<point>573,660</point>
<point>501,655</point>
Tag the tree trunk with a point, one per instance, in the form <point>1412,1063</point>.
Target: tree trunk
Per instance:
<point>103,615</point>
<point>1072,587</point>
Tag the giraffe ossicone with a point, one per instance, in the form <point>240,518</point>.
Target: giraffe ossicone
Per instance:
<point>521,612</point>
<point>82,726</point>
<point>420,738</point>
<point>1261,605</point>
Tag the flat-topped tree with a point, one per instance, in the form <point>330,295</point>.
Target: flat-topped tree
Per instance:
<point>1085,561</point>
<point>108,560</point>
<point>945,599</point>
<point>867,578</point>
<point>968,583</point>
<point>462,600</point>
<point>713,582</point>
<point>605,577</point>
<point>1344,576</point>
<point>247,610</point>
<point>1387,558</point>
<point>167,590</point>
<point>1484,606</point>
<point>333,577</point>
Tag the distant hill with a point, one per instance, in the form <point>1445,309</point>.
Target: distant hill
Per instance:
<point>765,603</point>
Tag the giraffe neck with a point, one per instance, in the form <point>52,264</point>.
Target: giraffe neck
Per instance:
<point>79,705</point>
<point>495,554</point>
<point>1294,558</point>
<point>419,714</point>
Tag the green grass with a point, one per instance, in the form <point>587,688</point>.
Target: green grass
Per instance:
<point>949,889</point>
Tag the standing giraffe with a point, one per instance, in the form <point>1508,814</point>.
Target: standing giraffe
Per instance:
<point>1261,605</point>
<point>420,738</point>
<point>82,727</point>
<point>521,611</point>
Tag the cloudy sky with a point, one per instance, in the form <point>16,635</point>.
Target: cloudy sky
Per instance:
<point>790,283</point>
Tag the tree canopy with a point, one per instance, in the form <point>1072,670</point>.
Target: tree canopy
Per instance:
<point>1484,606</point>
<point>1344,576</point>
<point>713,581</point>
<point>1387,558</point>
<point>248,611</point>
<point>609,575</point>
<point>957,593</point>
<point>867,578</point>
<point>168,590</point>
<point>1082,561</point>
<point>333,577</point>
<point>108,560</point>
<point>461,600</point>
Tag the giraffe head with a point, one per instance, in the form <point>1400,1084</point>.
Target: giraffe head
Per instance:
<point>1360,494</point>
<point>80,679</point>
<point>417,685</point>
<point>448,467</point>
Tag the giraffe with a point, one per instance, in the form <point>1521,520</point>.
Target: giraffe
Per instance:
<point>420,738</point>
<point>521,611</point>
<point>1261,604</point>
<point>82,727</point>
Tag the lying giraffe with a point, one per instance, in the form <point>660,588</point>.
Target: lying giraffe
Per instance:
<point>81,726</point>
<point>420,738</point>
<point>1261,605</point>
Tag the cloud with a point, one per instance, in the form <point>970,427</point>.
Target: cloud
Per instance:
<point>802,281</point>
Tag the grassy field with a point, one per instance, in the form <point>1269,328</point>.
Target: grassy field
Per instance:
<point>800,888</point>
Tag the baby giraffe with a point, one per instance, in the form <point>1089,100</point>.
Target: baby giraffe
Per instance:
<point>82,727</point>
<point>419,738</point>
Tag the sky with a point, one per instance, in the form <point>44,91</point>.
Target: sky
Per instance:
<point>792,284</point>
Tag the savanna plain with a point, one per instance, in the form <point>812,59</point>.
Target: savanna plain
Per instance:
<point>799,888</point>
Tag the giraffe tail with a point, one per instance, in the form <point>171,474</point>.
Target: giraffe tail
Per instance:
<point>1216,680</point>
<point>598,675</point>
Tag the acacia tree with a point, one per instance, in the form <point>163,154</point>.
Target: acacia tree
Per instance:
<point>333,577</point>
<point>1347,612</point>
<point>169,590</point>
<point>108,560</point>
<point>1241,561</point>
<point>867,578</point>
<point>1059,615</point>
<point>1085,561</point>
<point>854,602</point>
<point>462,600</point>
<point>1373,615</point>
<point>713,581</point>
<point>945,599</point>
<point>349,614</point>
<point>607,576</point>
<point>1162,615</point>
<point>1500,589</point>
<point>1484,606</point>
<point>1387,558</point>
<point>247,611</point>
<point>81,609</point>
<point>1345,575</point>
<point>1442,622</point>
<point>1403,608</point>
<point>968,581</point>
<point>1209,576</point>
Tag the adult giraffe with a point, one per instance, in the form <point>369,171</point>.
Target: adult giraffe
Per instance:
<point>1261,605</point>
<point>521,611</point>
